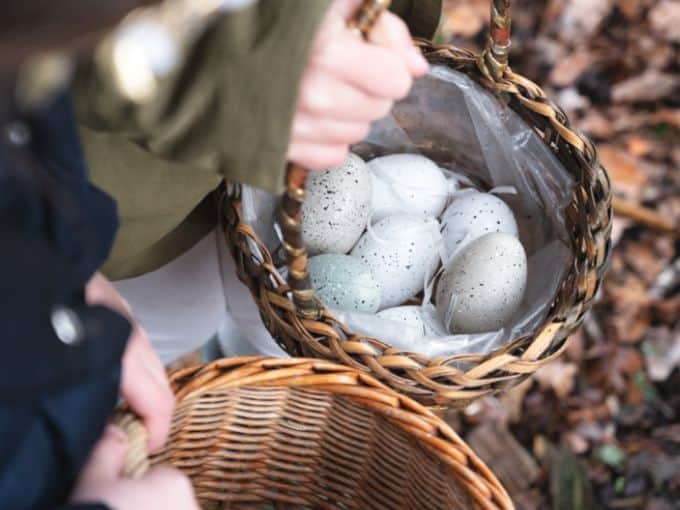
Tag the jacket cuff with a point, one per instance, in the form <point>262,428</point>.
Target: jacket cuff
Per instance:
<point>261,91</point>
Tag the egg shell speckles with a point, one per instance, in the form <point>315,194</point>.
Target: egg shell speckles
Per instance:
<point>472,215</point>
<point>407,183</point>
<point>417,317</point>
<point>344,283</point>
<point>405,251</point>
<point>487,280</point>
<point>337,206</point>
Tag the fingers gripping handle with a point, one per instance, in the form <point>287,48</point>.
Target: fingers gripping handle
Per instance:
<point>308,305</point>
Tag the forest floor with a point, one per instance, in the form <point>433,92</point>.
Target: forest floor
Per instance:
<point>600,429</point>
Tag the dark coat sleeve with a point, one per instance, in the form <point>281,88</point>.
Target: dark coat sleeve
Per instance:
<point>58,380</point>
<point>55,231</point>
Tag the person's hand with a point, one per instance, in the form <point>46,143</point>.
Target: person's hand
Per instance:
<point>348,83</point>
<point>162,488</point>
<point>144,383</point>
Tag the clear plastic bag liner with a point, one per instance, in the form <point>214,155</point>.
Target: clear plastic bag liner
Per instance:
<point>464,129</point>
<point>477,140</point>
<point>259,211</point>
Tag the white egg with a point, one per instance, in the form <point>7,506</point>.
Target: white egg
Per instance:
<point>422,319</point>
<point>336,207</point>
<point>344,283</point>
<point>483,286</point>
<point>401,250</point>
<point>407,183</point>
<point>471,215</point>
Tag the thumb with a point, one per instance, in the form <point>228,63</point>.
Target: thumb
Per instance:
<point>173,486</point>
<point>107,459</point>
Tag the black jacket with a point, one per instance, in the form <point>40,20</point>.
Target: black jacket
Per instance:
<point>59,358</point>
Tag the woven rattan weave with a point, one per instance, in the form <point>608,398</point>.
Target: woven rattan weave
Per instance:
<point>256,433</point>
<point>303,327</point>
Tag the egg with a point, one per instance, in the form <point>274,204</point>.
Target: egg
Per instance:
<point>407,183</point>
<point>422,319</point>
<point>471,215</point>
<point>401,250</point>
<point>344,283</point>
<point>483,285</point>
<point>336,207</point>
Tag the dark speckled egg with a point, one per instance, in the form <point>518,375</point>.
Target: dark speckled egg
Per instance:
<point>337,207</point>
<point>484,284</point>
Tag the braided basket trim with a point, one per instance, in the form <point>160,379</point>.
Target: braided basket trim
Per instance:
<point>418,422</point>
<point>454,380</point>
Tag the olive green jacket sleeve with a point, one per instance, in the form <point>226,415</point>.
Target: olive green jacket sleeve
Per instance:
<point>422,16</point>
<point>226,113</point>
<point>230,106</point>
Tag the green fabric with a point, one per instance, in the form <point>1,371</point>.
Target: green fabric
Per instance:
<point>227,113</point>
<point>422,16</point>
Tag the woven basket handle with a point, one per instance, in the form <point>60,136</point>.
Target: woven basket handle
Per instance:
<point>495,56</point>
<point>290,213</point>
<point>494,62</point>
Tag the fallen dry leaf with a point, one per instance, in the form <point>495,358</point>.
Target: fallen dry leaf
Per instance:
<point>639,146</point>
<point>645,260</point>
<point>596,124</point>
<point>570,100</point>
<point>513,399</point>
<point>569,68</point>
<point>664,18</point>
<point>669,433</point>
<point>498,448</point>
<point>667,311</point>
<point>558,376</point>
<point>631,9</point>
<point>662,353</point>
<point>651,85</point>
<point>631,322</point>
<point>581,18</point>
<point>577,444</point>
<point>624,170</point>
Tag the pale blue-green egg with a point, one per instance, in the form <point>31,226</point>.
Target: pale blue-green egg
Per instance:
<point>345,283</point>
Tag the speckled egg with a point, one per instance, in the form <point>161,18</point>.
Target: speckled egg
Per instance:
<point>407,183</point>
<point>344,283</point>
<point>418,317</point>
<point>337,206</point>
<point>483,285</point>
<point>473,214</point>
<point>401,250</point>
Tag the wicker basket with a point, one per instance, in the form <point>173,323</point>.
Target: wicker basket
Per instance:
<point>303,326</point>
<point>299,433</point>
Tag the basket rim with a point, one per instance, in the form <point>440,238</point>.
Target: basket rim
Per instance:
<point>419,422</point>
<point>440,381</point>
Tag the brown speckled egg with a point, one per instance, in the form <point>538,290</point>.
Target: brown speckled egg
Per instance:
<point>337,206</point>
<point>472,215</point>
<point>401,250</point>
<point>486,281</point>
